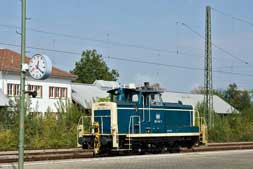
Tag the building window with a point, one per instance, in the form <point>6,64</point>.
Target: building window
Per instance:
<point>63,92</point>
<point>17,90</point>
<point>9,89</point>
<point>57,92</point>
<point>13,89</point>
<point>51,92</point>
<point>36,88</point>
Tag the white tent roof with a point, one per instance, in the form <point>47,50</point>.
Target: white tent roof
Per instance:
<point>106,85</point>
<point>85,94</point>
<point>4,101</point>
<point>220,106</point>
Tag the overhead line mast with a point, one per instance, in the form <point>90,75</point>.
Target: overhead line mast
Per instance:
<point>208,81</point>
<point>22,91</point>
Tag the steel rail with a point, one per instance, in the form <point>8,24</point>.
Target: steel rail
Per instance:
<point>59,154</point>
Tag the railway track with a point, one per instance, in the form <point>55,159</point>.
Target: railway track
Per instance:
<point>220,147</point>
<point>42,155</point>
<point>58,154</point>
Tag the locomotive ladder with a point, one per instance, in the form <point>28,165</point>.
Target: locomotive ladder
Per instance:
<point>131,128</point>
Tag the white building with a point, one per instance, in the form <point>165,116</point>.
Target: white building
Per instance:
<point>49,91</point>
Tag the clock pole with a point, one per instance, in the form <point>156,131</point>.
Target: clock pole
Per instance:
<point>22,87</point>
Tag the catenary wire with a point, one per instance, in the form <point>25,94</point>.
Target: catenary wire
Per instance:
<point>132,60</point>
<point>114,43</point>
<point>213,44</point>
<point>177,66</point>
<point>233,17</point>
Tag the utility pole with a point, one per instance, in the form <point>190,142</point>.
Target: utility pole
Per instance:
<point>22,87</point>
<point>208,81</point>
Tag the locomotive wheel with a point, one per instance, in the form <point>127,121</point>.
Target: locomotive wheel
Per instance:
<point>175,148</point>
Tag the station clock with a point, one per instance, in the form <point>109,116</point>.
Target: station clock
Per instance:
<point>40,67</point>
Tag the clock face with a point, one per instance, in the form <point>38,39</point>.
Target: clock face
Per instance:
<point>40,67</point>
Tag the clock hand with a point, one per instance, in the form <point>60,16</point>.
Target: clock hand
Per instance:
<point>40,70</point>
<point>37,66</point>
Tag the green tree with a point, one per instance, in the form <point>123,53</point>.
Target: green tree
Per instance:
<point>239,99</point>
<point>92,67</point>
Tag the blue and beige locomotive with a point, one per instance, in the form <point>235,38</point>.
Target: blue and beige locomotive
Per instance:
<point>136,119</point>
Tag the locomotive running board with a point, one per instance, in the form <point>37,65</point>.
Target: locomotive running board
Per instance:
<point>162,135</point>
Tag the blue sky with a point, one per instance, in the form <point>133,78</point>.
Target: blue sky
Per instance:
<point>148,23</point>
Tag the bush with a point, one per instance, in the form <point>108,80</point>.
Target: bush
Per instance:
<point>232,127</point>
<point>45,132</point>
<point>9,140</point>
<point>235,127</point>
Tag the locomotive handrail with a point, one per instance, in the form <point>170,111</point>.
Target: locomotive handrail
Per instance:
<point>102,122</point>
<point>80,128</point>
<point>149,109</point>
<point>202,128</point>
<point>143,112</point>
<point>200,120</point>
<point>81,121</point>
<point>131,123</point>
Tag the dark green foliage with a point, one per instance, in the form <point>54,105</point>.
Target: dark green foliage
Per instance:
<point>92,67</point>
<point>3,116</point>
<point>7,116</point>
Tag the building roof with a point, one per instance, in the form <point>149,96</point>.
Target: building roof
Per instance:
<point>220,106</point>
<point>106,85</point>
<point>4,101</point>
<point>10,61</point>
<point>85,94</point>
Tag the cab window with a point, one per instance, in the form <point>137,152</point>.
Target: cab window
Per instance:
<point>135,98</point>
<point>156,99</point>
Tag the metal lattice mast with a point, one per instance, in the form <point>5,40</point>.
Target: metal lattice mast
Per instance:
<point>208,81</point>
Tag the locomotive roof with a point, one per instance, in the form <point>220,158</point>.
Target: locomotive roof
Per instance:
<point>137,90</point>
